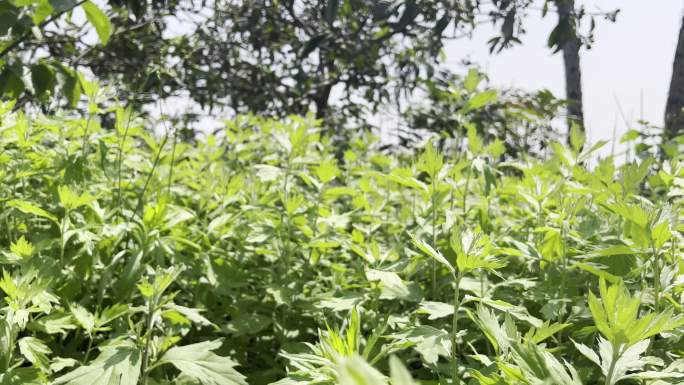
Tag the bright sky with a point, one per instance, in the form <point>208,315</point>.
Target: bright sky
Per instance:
<point>629,58</point>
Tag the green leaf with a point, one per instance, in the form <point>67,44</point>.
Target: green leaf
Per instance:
<point>30,208</point>
<point>35,351</point>
<point>192,314</point>
<point>22,247</point>
<point>99,20</point>
<point>499,335</point>
<point>401,177</point>
<point>198,362</point>
<point>473,251</point>
<point>71,85</point>
<point>62,5</point>
<point>327,170</point>
<point>475,143</point>
<point>471,80</point>
<point>539,366</point>
<point>392,286</point>
<point>55,323</point>
<point>11,83</point>
<point>436,310</point>
<point>619,363</point>
<point>84,318</point>
<point>22,376</point>
<point>118,364</point>
<point>430,161</point>
<point>616,315</point>
<point>355,370</point>
<point>9,17</point>
<point>398,373</point>
<point>480,100</point>
<point>541,333</point>
<point>111,313</point>
<point>430,342</point>
<point>434,254</point>
<point>70,200</point>
<point>630,136</point>
<point>577,137</point>
<point>43,10</point>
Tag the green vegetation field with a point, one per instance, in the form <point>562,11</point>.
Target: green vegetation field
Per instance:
<point>265,255</point>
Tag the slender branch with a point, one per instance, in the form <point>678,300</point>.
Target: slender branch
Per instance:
<point>25,35</point>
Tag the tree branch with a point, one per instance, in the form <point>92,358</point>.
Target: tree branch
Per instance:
<point>25,35</point>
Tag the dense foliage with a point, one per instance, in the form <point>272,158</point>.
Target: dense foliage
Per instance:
<point>342,59</point>
<point>256,256</point>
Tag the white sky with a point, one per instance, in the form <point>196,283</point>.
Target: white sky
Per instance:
<point>630,57</point>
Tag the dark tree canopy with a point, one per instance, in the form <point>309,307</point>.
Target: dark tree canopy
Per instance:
<point>341,59</point>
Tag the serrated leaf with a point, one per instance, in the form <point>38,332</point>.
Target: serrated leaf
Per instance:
<point>56,323</point>
<point>30,208</point>
<point>392,286</point>
<point>436,255</point>
<point>22,247</point>
<point>436,310</point>
<point>199,362</point>
<point>118,364</point>
<point>35,351</point>
<point>84,318</point>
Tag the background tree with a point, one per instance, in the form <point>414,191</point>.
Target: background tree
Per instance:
<point>674,118</point>
<point>43,45</point>
<point>566,37</point>
<point>521,121</point>
<point>342,59</point>
<point>339,58</point>
<point>570,43</point>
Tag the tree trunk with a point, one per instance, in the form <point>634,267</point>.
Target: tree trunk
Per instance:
<point>321,99</point>
<point>674,118</point>
<point>571,62</point>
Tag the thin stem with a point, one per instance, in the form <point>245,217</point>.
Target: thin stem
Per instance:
<point>148,337</point>
<point>611,369</point>
<point>656,277</point>
<point>63,230</point>
<point>454,330</point>
<point>84,145</point>
<point>285,255</point>
<point>173,159</point>
<point>434,234</point>
<point>90,347</point>
<point>465,196</point>
<point>138,205</point>
<point>120,158</point>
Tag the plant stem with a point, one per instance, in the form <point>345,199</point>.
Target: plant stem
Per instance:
<point>84,145</point>
<point>120,159</point>
<point>62,240</point>
<point>434,235</point>
<point>611,369</point>
<point>139,204</point>
<point>454,330</point>
<point>465,196</point>
<point>148,337</point>
<point>90,347</point>
<point>172,164</point>
<point>285,219</point>
<point>656,278</point>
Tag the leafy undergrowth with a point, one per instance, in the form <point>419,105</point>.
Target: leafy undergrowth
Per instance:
<point>263,257</point>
